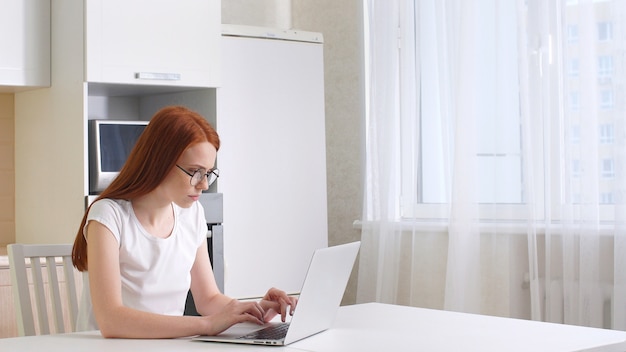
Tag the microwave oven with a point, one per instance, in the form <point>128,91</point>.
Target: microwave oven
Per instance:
<point>110,143</point>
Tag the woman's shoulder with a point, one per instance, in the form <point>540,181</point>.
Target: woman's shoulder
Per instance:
<point>107,204</point>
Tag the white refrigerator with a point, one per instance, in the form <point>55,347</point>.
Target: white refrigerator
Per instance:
<point>272,161</point>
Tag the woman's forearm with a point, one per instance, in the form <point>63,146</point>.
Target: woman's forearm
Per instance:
<point>124,322</point>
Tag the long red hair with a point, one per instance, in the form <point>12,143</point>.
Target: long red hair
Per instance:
<point>170,132</point>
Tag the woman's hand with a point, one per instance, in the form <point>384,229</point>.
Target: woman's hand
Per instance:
<point>235,312</point>
<point>276,302</point>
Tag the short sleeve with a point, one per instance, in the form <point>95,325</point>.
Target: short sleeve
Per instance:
<point>109,213</point>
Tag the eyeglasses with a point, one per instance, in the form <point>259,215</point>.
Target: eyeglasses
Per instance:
<point>199,175</point>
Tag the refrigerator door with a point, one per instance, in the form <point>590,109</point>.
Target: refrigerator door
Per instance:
<point>270,117</point>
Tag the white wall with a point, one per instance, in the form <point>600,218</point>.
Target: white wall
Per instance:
<point>263,13</point>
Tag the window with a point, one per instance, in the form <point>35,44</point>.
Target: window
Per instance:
<point>572,34</point>
<point>575,135</point>
<point>572,68</point>
<point>605,31</point>
<point>576,168</point>
<point>605,68</point>
<point>606,198</point>
<point>497,158</point>
<point>607,134</point>
<point>608,168</point>
<point>578,111</point>
<point>606,99</point>
<point>574,101</point>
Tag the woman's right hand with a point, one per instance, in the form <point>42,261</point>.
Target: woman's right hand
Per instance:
<point>233,313</point>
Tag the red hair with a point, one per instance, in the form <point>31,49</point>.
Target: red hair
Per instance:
<point>170,132</point>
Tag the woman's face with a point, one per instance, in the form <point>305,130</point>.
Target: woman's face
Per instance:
<point>177,183</point>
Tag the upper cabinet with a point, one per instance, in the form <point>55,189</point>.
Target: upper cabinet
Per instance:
<point>153,42</point>
<point>24,44</point>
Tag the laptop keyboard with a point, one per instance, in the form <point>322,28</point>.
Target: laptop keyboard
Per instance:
<point>273,332</point>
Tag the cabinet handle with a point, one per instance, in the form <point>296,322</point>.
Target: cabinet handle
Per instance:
<point>158,76</point>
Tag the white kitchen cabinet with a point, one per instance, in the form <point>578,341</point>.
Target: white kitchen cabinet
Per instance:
<point>24,44</point>
<point>153,42</point>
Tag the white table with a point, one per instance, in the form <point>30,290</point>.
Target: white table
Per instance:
<point>372,327</point>
<point>379,327</point>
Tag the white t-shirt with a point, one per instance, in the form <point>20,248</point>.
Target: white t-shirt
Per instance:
<point>155,272</point>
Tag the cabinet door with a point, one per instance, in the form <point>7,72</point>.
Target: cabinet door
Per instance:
<point>154,42</point>
<point>25,43</point>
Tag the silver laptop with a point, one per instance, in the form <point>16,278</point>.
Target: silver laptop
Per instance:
<point>320,297</point>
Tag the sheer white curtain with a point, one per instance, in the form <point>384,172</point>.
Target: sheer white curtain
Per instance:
<point>577,263</point>
<point>495,158</point>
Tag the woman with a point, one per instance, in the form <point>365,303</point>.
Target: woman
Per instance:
<point>143,241</point>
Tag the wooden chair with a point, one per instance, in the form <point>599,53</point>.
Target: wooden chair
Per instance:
<point>23,256</point>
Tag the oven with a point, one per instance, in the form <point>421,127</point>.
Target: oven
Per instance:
<point>213,208</point>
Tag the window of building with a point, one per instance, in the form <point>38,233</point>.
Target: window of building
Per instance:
<point>605,31</point>
<point>606,99</point>
<point>576,168</point>
<point>572,34</point>
<point>608,170</point>
<point>607,133</point>
<point>607,198</point>
<point>573,68</point>
<point>605,67</point>
<point>575,134</point>
<point>574,101</point>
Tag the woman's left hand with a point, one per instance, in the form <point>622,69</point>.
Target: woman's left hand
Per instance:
<point>276,302</point>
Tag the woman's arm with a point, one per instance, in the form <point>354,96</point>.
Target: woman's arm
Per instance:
<point>116,320</point>
<point>209,299</point>
<point>206,294</point>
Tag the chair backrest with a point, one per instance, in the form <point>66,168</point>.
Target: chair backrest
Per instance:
<point>23,256</point>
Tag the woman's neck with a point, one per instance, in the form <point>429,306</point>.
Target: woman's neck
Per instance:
<point>157,217</point>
